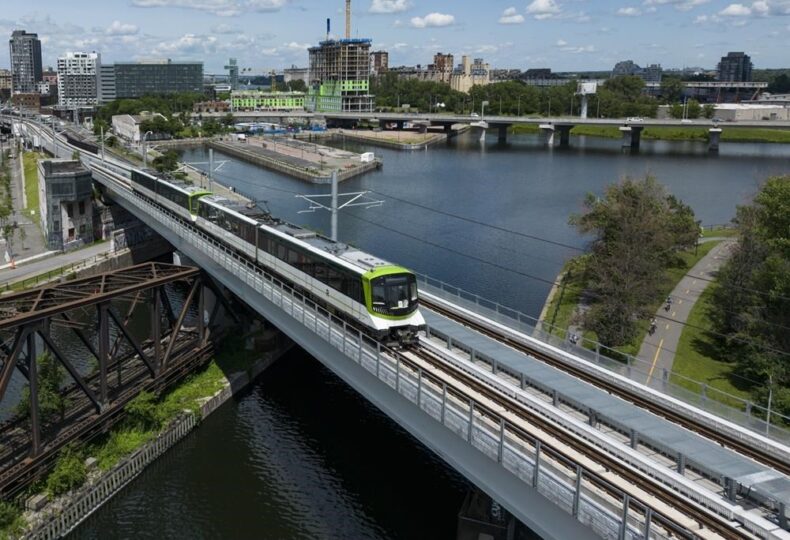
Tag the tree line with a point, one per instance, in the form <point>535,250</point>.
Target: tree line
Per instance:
<point>751,300</point>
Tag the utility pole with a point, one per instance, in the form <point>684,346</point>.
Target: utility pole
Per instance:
<point>101,131</point>
<point>357,199</point>
<point>210,167</point>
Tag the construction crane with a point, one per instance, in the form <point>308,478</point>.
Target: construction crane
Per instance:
<point>348,19</point>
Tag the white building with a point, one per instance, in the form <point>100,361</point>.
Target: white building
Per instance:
<point>127,126</point>
<point>469,74</point>
<point>78,79</point>
<point>745,112</point>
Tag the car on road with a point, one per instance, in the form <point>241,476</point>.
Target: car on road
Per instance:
<point>686,121</point>
<point>474,115</point>
<point>634,119</point>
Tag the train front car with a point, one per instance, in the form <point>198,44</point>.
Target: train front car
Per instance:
<point>393,302</point>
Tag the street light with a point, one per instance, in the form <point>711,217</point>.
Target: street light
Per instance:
<point>145,150</point>
<point>483,109</point>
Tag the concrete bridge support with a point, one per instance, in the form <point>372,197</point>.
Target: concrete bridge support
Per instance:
<point>714,136</point>
<point>547,133</point>
<point>502,130</point>
<point>632,136</point>
<point>565,135</point>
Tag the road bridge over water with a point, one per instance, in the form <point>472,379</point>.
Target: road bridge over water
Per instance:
<point>569,448</point>
<point>630,128</point>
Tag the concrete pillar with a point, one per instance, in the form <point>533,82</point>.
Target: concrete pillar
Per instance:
<point>547,132</point>
<point>632,136</point>
<point>714,135</point>
<point>423,128</point>
<point>565,135</point>
<point>399,125</point>
<point>503,133</point>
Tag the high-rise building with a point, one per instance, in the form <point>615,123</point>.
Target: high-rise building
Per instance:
<point>469,74</point>
<point>379,62</point>
<point>78,79</point>
<point>340,76</point>
<point>106,83</point>
<point>625,67</point>
<point>5,83</point>
<point>233,73</point>
<point>137,79</point>
<point>735,67</point>
<point>25,61</point>
<point>652,73</point>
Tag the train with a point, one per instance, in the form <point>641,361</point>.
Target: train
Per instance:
<point>356,286</point>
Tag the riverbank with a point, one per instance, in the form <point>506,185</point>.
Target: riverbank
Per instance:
<point>729,133</point>
<point>398,140</point>
<point>151,427</point>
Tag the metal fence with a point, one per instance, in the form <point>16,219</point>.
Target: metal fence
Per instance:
<point>80,508</point>
<point>745,413</point>
<point>573,487</point>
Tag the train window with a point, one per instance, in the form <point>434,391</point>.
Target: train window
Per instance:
<point>335,279</point>
<point>282,252</point>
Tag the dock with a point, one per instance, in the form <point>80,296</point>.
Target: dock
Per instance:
<point>304,160</point>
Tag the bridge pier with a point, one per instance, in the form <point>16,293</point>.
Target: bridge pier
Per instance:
<point>632,136</point>
<point>714,136</point>
<point>502,131</point>
<point>547,133</point>
<point>565,135</point>
<point>399,125</point>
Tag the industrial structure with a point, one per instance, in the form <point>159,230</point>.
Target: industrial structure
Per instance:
<point>340,73</point>
<point>233,73</point>
<point>65,189</point>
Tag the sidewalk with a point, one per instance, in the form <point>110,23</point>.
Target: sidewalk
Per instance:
<point>34,239</point>
<point>658,350</point>
<point>52,263</point>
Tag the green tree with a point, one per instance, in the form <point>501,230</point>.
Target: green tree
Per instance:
<point>693,109</point>
<point>166,162</point>
<point>752,296</point>
<point>671,89</point>
<point>780,85</point>
<point>297,85</point>
<point>708,110</point>
<point>676,111</point>
<point>637,231</point>
<point>141,412</point>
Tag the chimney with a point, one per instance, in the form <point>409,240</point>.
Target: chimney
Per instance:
<point>348,19</point>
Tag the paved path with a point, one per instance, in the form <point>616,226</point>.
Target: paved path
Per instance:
<point>658,350</point>
<point>34,238</point>
<point>51,263</point>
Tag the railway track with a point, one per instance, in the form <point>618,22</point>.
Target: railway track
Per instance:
<point>719,437</point>
<point>461,382</point>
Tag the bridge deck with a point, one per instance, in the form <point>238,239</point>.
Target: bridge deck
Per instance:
<point>652,430</point>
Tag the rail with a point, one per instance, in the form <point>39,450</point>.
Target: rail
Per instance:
<point>533,461</point>
<point>709,399</point>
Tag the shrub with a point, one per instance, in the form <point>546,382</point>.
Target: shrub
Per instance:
<point>69,473</point>
<point>141,412</point>
<point>9,513</point>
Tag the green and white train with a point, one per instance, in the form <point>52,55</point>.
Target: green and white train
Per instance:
<point>352,284</point>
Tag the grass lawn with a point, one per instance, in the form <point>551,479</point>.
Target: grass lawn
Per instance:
<point>524,128</point>
<point>31,182</point>
<point>694,356</point>
<point>720,232</point>
<point>729,133</point>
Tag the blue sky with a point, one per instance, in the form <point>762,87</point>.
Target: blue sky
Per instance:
<point>272,34</point>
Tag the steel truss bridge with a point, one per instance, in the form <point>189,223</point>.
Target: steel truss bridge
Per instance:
<point>97,312</point>
<point>571,449</point>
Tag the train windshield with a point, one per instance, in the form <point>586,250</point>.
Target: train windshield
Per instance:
<point>395,294</point>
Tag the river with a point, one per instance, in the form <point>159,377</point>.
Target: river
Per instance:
<point>301,455</point>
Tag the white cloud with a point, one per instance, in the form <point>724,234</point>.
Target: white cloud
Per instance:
<point>561,43</point>
<point>432,20</point>
<point>117,28</point>
<point>486,49</point>
<point>736,10</point>
<point>399,46</point>
<point>222,8</point>
<point>544,9</point>
<point>389,6</point>
<point>680,5</point>
<point>223,28</point>
<point>578,50</point>
<point>186,45</point>
<point>629,12</point>
<point>511,16</point>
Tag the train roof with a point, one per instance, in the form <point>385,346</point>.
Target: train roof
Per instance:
<point>189,189</point>
<point>344,254</point>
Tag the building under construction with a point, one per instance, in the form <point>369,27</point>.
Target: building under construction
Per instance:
<point>340,73</point>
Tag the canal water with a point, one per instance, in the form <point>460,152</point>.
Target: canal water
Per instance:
<point>301,455</point>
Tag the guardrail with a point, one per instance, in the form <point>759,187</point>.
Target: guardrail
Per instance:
<point>709,399</point>
<point>571,486</point>
<point>44,277</point>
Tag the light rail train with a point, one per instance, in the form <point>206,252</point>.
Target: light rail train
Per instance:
<point>352,284</point>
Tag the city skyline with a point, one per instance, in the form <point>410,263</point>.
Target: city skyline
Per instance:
<point>565,35</point>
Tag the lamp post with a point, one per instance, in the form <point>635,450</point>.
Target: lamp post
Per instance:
<point>145,150</point>
<point>519,106</point>
<point>483,109</point>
